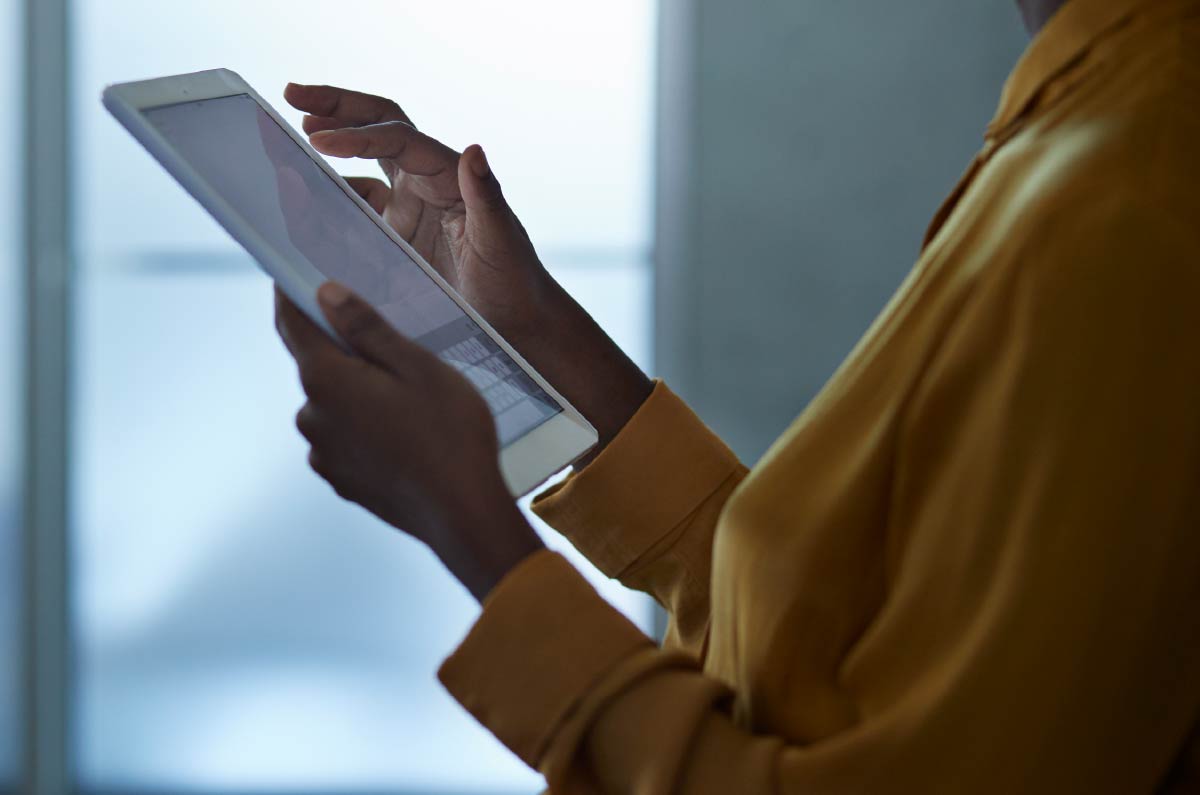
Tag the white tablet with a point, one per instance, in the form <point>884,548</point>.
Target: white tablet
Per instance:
<point>304,225</point>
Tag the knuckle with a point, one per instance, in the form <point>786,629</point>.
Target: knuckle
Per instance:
<point>334,96</point>
<point>306,421</point>
<point>394,138</point>
<point>336,482</point>
<point>321,464</point>
<point>325,466</point>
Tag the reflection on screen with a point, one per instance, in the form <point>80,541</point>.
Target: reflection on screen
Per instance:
<point>260,171</point>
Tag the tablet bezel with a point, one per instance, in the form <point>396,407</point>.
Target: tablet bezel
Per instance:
<point>525,462</point>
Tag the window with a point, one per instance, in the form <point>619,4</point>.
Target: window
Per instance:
<point>237,627</point>
<point>11,337</point>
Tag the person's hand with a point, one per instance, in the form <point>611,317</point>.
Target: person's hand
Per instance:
<point>451,208</point>
<point>405,436</point>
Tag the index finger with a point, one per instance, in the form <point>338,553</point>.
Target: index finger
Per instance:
<point>353,107</point>
<point>397,143</point>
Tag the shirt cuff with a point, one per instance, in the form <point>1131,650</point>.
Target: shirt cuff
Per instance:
<point>543,640</point>
<point>661,466</point>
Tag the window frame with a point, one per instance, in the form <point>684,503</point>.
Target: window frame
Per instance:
<point>45,251</point>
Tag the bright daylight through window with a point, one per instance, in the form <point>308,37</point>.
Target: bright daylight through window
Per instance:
<point>238,628</point>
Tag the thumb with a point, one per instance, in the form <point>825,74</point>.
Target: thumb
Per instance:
<point>489,217</point>
<point>480,189</point>
<point>367,332</point>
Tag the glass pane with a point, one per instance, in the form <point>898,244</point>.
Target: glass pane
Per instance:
<point>11,326</point>
<point>238,627</point>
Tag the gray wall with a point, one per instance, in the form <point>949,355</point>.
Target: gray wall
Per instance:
<point>804,146</point>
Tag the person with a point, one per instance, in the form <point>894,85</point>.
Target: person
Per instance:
<point>973,562</point>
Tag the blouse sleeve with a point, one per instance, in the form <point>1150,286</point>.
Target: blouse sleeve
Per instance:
<point>1041,632</point>
<point>645,510</point>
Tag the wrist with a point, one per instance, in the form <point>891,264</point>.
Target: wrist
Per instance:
<point>486,543</point>
<point>583,363</point>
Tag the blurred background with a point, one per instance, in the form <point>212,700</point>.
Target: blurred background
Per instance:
<point>732,189</point>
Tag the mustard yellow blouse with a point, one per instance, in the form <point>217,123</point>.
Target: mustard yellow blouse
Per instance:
<point>972,565</point>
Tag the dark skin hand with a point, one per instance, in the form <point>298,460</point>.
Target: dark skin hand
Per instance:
<point>451,208</point>
<point>405,436</point>
<point>396,430</point>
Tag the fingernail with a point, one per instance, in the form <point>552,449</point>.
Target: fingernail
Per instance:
<point>480,165</point>
<point>333,295</point>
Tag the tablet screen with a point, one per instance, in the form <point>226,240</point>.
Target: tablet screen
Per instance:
<point>260,171</point>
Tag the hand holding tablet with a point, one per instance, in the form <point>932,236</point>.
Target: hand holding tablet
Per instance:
<point>452,210</point>
<point>305,226</point>
<point>438,258</point>
<point>403,435</point>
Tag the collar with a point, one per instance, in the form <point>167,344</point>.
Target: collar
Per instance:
<point>1059,45</point>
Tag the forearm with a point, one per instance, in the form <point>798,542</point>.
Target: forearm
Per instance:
<point>486,538</point>
<point>570,349</point>
<point>582,362</point>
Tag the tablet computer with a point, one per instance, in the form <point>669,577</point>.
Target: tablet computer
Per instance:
<point>304,225</point>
